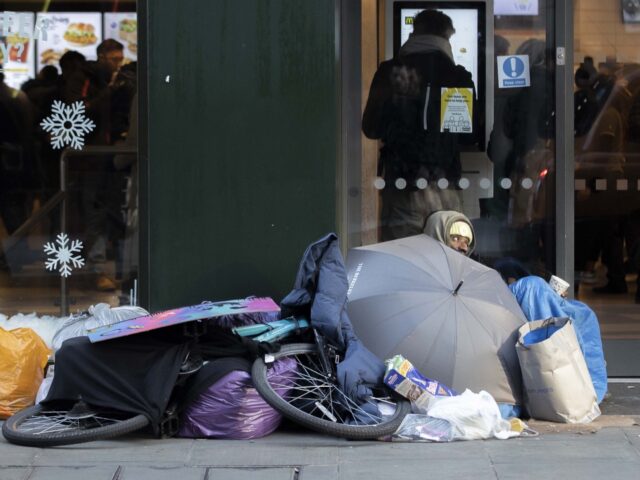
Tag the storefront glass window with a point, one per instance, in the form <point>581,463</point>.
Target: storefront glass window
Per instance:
<point>607,155</point>
<point>68,163</point>
<point>458,114</point>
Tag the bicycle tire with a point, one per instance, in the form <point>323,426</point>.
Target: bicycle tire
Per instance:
<point>20,427</point>
<point>312,417</point>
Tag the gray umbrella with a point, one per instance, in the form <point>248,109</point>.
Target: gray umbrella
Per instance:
<point>453,318</point>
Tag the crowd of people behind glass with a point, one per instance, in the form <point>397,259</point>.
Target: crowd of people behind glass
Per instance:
<point>403,112</point>
<point>30,166</point>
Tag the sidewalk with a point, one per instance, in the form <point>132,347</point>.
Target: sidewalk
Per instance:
<point>607,449</point>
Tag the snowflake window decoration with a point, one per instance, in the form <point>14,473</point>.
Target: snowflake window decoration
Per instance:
<point>67,125</point>
<point>64,255</point>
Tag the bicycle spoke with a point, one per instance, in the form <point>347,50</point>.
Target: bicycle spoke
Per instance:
<point>58,422</point>
<point>309,393</point>
<point>310,390</point>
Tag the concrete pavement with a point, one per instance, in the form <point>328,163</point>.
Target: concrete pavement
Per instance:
<point>607,449</point>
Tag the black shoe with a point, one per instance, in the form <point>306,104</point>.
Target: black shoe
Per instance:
<point>611,288</point>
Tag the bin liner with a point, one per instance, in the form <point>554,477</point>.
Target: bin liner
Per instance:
<point>539,301</point>
<point>231,407</point>
<point>96,316</point>
<point>45,326</point>
<point>23,356</point>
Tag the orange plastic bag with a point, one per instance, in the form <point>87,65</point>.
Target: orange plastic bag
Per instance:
<point>23,356</point>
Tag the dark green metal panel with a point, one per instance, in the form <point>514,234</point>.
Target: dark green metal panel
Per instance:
<point>242,142</point>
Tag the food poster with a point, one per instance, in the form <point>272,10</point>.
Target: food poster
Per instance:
<point>456,110</point>
<point>16,57</point>
<point>123,27</point>
<point>81,32</point>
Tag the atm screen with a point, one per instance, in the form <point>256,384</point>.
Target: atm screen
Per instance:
<point>464,43</point>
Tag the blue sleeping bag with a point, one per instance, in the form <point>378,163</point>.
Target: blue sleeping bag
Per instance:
<point>539,301</point>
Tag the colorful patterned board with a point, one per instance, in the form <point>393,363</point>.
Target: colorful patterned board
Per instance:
<point>182,315</point>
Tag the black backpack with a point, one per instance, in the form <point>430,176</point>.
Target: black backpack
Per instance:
<point>414,147</point>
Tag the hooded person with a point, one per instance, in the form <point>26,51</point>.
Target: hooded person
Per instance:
<point>456,231</point>
<point>453,229</point>
<point>536,297</point>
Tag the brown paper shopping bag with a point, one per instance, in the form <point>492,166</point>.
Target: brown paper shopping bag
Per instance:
<point>557,383</point>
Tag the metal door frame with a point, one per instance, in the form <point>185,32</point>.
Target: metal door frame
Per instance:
<point>564,154</point>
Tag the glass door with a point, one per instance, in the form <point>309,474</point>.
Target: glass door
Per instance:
<point>500,172</point>
<point>606,93</point>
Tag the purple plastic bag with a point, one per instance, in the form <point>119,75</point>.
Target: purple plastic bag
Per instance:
<point>232,408</point>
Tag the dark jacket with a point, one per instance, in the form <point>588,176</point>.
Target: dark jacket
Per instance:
<point>401,90</point>
<point>320,294</point>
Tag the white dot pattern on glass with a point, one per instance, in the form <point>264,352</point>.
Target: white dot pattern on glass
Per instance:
<point>526,183</point>
<point>422,183</point>
<point>484,183</point>
<point>379,183</point>
<point>401,183</point>
<point>506,183</point>
<point>464,183</point>
<point>443,183</point>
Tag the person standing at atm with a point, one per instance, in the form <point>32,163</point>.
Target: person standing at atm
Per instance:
<point>420,155</point>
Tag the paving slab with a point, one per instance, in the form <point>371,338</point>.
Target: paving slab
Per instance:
<point>621,398</point>
<point>129,472</point>
<point>251,473</point>
<point>319,472</point>
<point>633,436</point>
<point>15,473</point>
<point>262,453</point>
<point>124,450</point>
<point>399,451</point>
<point>607,444</point>
<point>424,467</point>
<point>74,473</point>
<point>15,455</point>
<point>603,421</point>
<point>539,468</point>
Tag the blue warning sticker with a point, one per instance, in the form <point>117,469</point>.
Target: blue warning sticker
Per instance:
<point>513,71</point>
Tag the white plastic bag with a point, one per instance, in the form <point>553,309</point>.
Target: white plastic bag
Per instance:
<point>473,416</point>
<point>45,326</point>
<point>422,428</point>
<point>97,316</point>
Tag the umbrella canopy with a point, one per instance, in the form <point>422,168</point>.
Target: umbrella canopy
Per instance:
<point>453,318</point>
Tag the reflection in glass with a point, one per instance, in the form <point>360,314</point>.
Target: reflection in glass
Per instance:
<point>420,146</point>
<point>68,130</point>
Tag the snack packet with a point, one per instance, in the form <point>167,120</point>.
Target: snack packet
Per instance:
<point>405,379</point>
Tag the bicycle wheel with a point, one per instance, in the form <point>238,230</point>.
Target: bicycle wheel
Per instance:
<point>307,397</point>
<point>38,426</point>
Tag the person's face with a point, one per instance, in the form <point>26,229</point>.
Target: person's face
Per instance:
<point>459,243</point>
<point>113,59</point>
